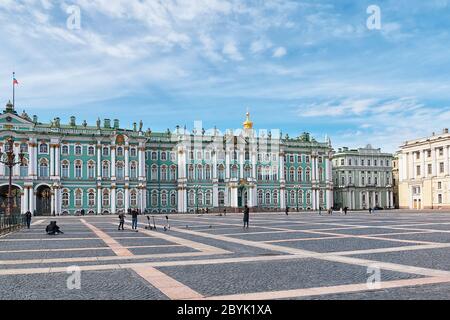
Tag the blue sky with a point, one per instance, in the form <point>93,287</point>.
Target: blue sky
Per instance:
<point>296,65</point>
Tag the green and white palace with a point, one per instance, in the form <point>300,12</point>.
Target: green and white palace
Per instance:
<point>105,169</point>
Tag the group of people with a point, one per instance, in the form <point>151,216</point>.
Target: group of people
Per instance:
<point>134,219</point>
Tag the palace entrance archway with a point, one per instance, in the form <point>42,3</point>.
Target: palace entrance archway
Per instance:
<point>43,201</point>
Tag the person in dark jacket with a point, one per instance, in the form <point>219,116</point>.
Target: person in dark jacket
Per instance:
<point>286,211</point>
<point>345,210</point>
<point>246,216</point>
<point>121,220</point>
<point>53,228</point>
<point>134,219</point>
<point>28,218</point>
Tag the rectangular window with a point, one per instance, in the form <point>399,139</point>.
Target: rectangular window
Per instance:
<point>418,170</point>
<point>430,169</point>
<point>441,167</point>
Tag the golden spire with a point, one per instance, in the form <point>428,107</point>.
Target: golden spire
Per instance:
<point>248,124</point>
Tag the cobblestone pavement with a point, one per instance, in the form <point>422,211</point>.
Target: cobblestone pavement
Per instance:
<point>387,255</point>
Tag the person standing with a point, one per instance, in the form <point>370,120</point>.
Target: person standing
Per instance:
<point>287,210</point>
<point>134,219</point>
<point>246,216</point>
<point>82,212</point>
<point>345,210</point>
<point>370,210</point>
<point>121,220</point>
<point>28,218</point>
<point>320,210</point>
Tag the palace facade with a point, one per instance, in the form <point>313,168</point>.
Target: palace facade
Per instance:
<point>106,169</point>
<point>424,179</point>
<point>363,178</point>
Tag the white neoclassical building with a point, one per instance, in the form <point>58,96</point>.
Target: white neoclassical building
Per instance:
<point>424,181</point>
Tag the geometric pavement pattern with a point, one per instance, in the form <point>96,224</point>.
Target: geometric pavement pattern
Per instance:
<point>300,256</point>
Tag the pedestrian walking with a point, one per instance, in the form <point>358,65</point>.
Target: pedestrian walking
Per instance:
<point>345,210</point>
<point>134,219</point>
<point>341,210</point>
<point>320,211</point>
<point>225,211</point>
<point>121,220</point>
<point>370,210</point>
<point>82,212</point>
<point>287,210</point>
<point>246,216</point>
<point>28,217</point>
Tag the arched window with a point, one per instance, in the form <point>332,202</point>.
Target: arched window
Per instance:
<point>105,169</point>
<point>267,173</point>
<point>247,172</point>
<point>65,169</point>
<point>78,198</point>
<point>43,148</point>
<point>275,173</point>
<point>221,172</point>
<point>221,198</point>
<point>321,199</point>
<point>105,151</point>
<point>173,199</point>
<point>191,198</point>
<point>24,168</point>
<point>300,197</point>
<point>199,172</point>
<point>105,199</point>
<point>91,169</point>
<point>78,150</point>
<point>260,197</point>
<point>164,198</point>
<point>43,168</point>
<point>133,170</point>
<point>292,199</point>
<point>173,173</point>
<point>154,155</point>
<point>208,198</point>
<point>24,147</point>
<point>91,198</point>
<point>119,151</point>
<point>78,169</point>
<point>65,198</point>
<point>234,171</point>
<point>308,198</point>
<point>308,175</point>
<point>208,172</point>
<point>133,152</point>
<point>200,198</point>
<point>299,174</point>
<point>119,170</point>
<point>154,172</point>
<point>120,201</point>
<point>259,173</point>
<point>163,156</point>
<point>163,173</point>
<point>275,197</point>
<point>91,150</point>
<point>267,198</point>
<point>133,198</point>
<point>65,150</point>
<point>320,174</point>
<point>191,172</point>
<point>291,174</point>
<point>154,199</point>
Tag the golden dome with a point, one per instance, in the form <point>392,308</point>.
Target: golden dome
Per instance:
<point>247,123</point>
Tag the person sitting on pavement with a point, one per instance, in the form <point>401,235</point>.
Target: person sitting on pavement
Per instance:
<point>53,228</point>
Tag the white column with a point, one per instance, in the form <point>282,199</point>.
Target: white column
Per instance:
<point>327,169</point>
<point>113,163</point>
<point>227,165</point>
<point>388,198</point>
<point>313,195</point>
<point>423,168</point>
<point>127,163</point>
<point>253,155</point>
<point>411,165</point>
<point>99,200</point>
<point>57,160</point>
<point>52,161</point>
<point>26,199</point>
<point>281,167</point>
<point>99,163</point>
<point>16,168</point>
<point>52,202</point>
<point>141,159</point>
<point>391,199</point>
<point>127,198</point>
<point>282,198</point>
<point>30,159</point>
<point>113,199</point>
<point>31,200</point>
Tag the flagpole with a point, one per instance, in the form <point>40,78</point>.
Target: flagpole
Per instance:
<point>14,92</point>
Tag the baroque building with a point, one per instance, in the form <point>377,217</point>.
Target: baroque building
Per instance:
<point>424,181</point>
<point>362,178</point>
<point>107,169</point>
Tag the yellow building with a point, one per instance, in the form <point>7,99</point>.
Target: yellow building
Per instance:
<point>424,179</point>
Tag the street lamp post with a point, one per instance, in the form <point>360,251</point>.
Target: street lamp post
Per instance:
<point>8,159</point>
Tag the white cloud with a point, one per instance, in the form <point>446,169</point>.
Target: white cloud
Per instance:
<point>279,52</point>
<point>230,50</point>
